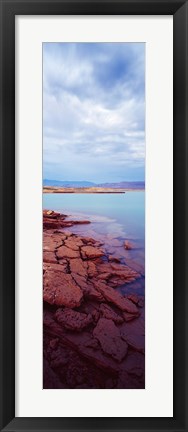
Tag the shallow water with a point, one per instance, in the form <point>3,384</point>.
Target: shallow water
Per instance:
<point>127,209</point>
<point>114,218</point>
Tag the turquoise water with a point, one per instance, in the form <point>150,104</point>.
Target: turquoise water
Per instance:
<point>127,210</point>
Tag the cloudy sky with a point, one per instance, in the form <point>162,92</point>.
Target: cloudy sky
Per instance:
<point>94,111</point>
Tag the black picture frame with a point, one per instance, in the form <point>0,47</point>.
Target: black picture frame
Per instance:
<point>8,11</point>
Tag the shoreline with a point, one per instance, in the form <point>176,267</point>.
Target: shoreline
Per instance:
<point>92,190</point>
<point>86,319</point>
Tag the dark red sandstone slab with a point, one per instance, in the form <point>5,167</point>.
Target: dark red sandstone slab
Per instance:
<point>61,290</point>
<point>73,320</point>
<point>110,339</point>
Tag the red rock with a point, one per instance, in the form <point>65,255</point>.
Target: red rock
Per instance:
<point>90,308</point>
<point>51,214</point>
<point>79,342</point>
<point>137,300</point>
<point>98,243</point>
<point>138,267</point>
<point>116,274</point>
<point>91,269</point>
<point>57,223</point>
<point>104,267</point>
<point>134,334</point>
<point>107,312</point>
<point>127,245</point>
<point>80,222</point>
<point>80,281</point>
<point>88,240</point>
<point>134,298</point>
<point>93,343</point>
<point>104,276</point>
<point>49,257</point>
<point>73,243</point>
<point>89,252</point>
<point>73,320</point>
<point>78,266</point>
<point>110,340</point>
<point>61,290</point>
<point>93,294</point>
<point>114,297</point>
<point>65,252</point>
<point>76,281</point>
<point>70,243</point>
<point>58,358</point>
<point>59,267</point>
<point>123,268</point>
<point>95,316</point>
<point>129,317</point>
<point>49,224</point>
<point>52,241</point>
<point>141,302</point>
<point>67,233</point>
<point>111,258</point>
<point>47,212</point>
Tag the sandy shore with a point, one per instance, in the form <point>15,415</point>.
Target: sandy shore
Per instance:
<point>51,189</point>
<point>93,335</point>
<point>91,190</point>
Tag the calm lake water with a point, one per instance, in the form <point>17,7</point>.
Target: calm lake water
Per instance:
<point>114,218</point>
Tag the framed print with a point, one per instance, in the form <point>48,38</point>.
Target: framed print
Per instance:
<point>93,215</point>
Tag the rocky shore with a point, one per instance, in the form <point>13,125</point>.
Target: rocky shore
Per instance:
<point>94,336</point>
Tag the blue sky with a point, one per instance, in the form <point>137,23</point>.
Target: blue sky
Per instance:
<point>94,111</point>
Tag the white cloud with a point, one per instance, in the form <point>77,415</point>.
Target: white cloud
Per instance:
<point>84,119</point>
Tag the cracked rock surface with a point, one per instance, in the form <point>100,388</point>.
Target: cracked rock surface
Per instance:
<point>93,334</point>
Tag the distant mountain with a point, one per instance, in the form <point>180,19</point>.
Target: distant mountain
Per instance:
<point>77,184</point>
<point>62,183</point>
<point>125,185</point>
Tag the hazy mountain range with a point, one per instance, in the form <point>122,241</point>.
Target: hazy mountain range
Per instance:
<point>123,184</point>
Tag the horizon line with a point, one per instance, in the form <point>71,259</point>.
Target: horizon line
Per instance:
<point>91,181</point>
